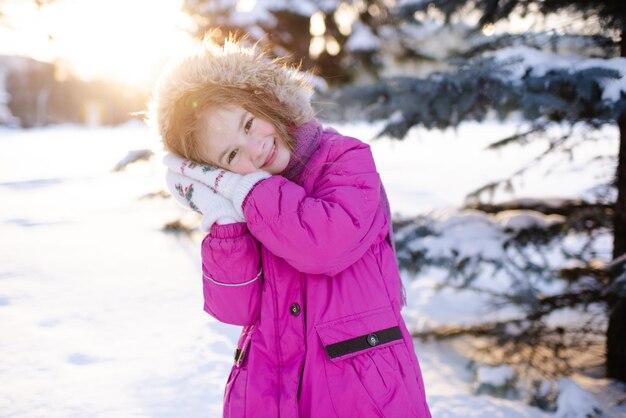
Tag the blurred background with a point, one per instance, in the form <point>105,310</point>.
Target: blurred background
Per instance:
<point>499,130</point>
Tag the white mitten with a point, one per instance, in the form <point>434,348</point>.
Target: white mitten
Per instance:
<point>197,196</point>
<point>231,185</point>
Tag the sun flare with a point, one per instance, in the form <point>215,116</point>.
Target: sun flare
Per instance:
<point>124,40</point>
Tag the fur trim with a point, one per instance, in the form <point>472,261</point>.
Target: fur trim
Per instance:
<point>232,65</point>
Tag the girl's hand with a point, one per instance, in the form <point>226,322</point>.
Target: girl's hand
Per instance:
<point>202,199</point>
<point>233,186</point>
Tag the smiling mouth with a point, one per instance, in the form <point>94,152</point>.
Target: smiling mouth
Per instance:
<point>271,156</point>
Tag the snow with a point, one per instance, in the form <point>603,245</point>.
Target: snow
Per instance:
<point>101,310</point>
<point>496,376</point>
<point>362,38</point>
<point>258,15</point>
<point>573,401</point>
<point>396,117</point>
<point>468,234</point>
<point>613,88</point>
<point>436,169</point>
<point>298,7</point>
<point>404,3</point>
<point>521,59</point>
<point>431,38</point>
<point>133,156</point>
<point>517,220</point>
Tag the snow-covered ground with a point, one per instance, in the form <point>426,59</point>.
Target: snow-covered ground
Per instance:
<point>101,311</point>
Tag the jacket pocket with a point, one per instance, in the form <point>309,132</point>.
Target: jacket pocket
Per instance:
<point>362,366</point>
<point>350,336</point>
<point>237,383</point>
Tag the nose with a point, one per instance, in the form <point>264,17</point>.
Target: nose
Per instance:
<point>256,151</point>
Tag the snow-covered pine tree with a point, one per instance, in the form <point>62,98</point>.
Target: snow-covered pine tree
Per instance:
<point>588,92</point>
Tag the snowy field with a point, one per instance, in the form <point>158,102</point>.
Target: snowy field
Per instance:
<point>101,311</point>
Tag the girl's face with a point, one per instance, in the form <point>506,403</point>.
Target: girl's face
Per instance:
<point>234,139</point>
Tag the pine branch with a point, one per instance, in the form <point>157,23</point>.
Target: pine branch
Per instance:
<point>477,87</point>
<point>565,207</point>
<point>606,47</point>
<point>561,143</point>
<point>538,127</point>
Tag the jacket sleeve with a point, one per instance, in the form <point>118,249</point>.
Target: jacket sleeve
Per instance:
<point>231,274</point>
<point>332,227</point>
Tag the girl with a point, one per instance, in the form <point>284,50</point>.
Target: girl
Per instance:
<point>299,249</point>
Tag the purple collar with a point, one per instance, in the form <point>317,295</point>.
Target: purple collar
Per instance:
<point>307,139</point>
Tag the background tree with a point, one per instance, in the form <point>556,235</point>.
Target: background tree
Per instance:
<point>339,40</point>
<point>481,84</point>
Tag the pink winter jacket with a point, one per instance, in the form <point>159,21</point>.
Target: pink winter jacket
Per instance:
<point>313,279</point>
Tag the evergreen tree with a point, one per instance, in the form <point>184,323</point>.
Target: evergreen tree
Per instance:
<point>482,84</point>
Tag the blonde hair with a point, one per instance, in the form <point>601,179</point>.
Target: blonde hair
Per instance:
<point>212,76</point>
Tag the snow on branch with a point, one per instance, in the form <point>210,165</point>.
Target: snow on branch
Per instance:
<point>536,84</point>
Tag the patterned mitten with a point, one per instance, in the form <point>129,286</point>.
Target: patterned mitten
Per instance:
<point>231,185</point>
<point>197,196</point>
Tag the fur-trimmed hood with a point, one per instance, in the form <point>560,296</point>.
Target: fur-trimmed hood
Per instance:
<point>232,65</point>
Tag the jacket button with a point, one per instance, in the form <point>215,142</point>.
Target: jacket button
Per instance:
<point>295,309</point>
<point>372,339</point>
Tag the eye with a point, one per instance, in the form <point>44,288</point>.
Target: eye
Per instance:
<point>248,125</point>
<point>232,155</point>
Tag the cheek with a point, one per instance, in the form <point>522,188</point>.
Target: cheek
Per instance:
<point>284,156</point>
<point>243,167</point>
<point>265,128</point>
<point>285,151</point>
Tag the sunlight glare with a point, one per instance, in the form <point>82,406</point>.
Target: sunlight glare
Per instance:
<point>332,46</point>
<point>488,29</point>
<point>116,39</point>
<point>245,6</point>
<point>317,46</point>
<point>317,27</point>
<point>344,16</point>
